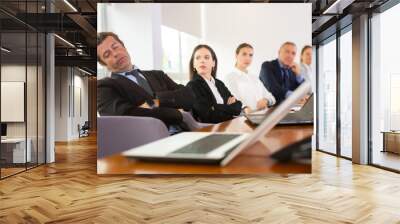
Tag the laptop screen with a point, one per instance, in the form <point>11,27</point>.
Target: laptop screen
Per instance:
<point>206,144</point>
<point>272,117</point>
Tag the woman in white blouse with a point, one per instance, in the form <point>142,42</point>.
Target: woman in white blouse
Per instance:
<point>247,87</point>
<point>305,67</point>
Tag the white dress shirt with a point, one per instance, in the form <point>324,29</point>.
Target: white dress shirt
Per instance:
<point>307,72</point>
<point>131,77</point>
<point>214,90</point>
<point>248,88</point>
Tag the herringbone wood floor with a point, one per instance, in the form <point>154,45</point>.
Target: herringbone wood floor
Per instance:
<point>69,191</point>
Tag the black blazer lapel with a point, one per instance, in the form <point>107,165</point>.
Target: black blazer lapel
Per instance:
<point>205,86</point>
<point>151,79</point>
<point>223,90</point>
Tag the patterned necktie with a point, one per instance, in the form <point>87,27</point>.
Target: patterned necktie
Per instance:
<point>141,81</point>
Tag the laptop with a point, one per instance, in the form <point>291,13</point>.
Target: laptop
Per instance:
<point>297,115</point>
<point>214,148</point>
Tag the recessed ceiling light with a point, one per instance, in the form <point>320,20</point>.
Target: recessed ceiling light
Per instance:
<point>64,40</point>
<point>5,50</point>
<point>335,7</point>
<point>84,71</point>
<point>70,5</point>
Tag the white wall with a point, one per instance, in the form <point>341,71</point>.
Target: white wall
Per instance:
<point>134,25</point>
<point>183,17</point>
<point>12,101</point>
<point>16,73</point>
<point>61,103</point>
<point>33,126</point>
<point>80,83</point>
<point>67,116</point>
<point>223,26</point>
<point>265,26</point>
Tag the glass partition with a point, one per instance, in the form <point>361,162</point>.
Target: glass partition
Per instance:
<point>346,94</point>
<point>385,89</point>
<point>14,144</point>
<point>22,77</point>
<point>327,97</point>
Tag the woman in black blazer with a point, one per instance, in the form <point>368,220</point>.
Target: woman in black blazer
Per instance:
<point>213,102</point>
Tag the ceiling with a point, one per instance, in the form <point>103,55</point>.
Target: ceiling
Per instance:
<point>76,25</point>
<point>76,20</point>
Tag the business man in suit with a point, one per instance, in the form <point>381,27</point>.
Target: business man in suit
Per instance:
<point>134,92</point>
<point>282,75</point>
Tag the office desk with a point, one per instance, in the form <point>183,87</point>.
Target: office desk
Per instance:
<point>253,160</point>
<point>13,150</point>
<point>391,141</point>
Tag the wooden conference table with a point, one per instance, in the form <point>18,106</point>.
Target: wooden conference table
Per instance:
<point>253,160</point>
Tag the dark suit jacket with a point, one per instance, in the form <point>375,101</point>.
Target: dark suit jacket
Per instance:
<point>205,107</point>
<point>118,95</point>
<point>271,77</point>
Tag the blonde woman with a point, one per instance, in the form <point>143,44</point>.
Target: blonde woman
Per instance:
<point>305,64</point>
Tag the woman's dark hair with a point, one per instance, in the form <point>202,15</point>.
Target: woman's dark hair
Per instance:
<point>243,45</point>
<point>192,71</point>
<point>303,50</point>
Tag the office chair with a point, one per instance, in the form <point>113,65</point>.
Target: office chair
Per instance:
<point>84,130</point>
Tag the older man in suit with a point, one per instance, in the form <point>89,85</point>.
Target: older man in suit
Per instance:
<point>134,92</point>
<point>282,75</point>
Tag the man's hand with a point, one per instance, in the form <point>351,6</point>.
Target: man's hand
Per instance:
<point>262,104</point>
<point>157,102</point>
<point>145,105</point>
<point>295,68</point>
<point>247,110</point>
<point>231,100</point>
<point>303,100</point>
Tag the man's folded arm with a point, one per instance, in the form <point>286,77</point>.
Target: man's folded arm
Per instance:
<point>182,97</point>
<point>169,116</point>
<point>177,96</point>
<point>111,104</point>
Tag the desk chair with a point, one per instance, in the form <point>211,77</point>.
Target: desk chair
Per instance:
<point>119,133</point>
<point>191,122</point>
<point>84,129</point>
